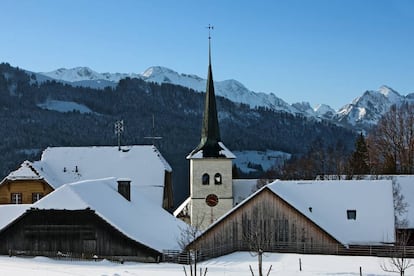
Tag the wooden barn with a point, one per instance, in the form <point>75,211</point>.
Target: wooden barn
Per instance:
<point>88,218</point>
<point>307,216</point>
<point>144,165</point>
<point>78,233</point>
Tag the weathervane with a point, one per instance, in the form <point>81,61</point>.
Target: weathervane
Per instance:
<point>209,27</point>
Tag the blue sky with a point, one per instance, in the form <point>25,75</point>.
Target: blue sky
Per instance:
<point>320,51</point>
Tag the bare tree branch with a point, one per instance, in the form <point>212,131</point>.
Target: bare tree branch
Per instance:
<point>189,234</point>
<point>398,261</point>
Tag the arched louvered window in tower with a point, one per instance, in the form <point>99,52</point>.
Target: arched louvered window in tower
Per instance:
<point>205,179</point>
<point>217,179</point>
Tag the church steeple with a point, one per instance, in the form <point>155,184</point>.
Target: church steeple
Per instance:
<point>211,178</point>
<point>210,132</point>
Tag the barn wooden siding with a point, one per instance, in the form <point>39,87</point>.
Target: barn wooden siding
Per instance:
<point>79,233</point>
<point>268,221</point>
<point>25,187</point>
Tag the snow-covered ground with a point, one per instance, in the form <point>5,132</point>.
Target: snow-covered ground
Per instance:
<point>64,106</point>
<point>230,265</point>
<point>249,160</point>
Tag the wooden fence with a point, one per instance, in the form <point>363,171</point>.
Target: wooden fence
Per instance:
<point>184,257</point>
<point>71,256</point>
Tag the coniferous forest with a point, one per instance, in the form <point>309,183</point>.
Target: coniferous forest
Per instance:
<point>26,129</point>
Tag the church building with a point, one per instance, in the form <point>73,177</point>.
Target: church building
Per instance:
<point>211,191</point>
<point>296,216</point>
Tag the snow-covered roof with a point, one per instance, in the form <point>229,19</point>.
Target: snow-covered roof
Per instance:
<point>25,171</point>
<point>143,164</point>
<point>10,212</point>
<point>330,200</point>
<point>405,183</point>
<point>140,219</point>
<point>225,152</point>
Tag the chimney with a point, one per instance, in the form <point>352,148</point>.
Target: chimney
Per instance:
<point>124,188</point>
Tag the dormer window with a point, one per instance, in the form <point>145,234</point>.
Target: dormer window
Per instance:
<point>351,214</point>
<point>205,179</point>
<point>217,179</point>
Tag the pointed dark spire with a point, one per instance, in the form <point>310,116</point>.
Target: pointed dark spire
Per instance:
<point>210,132</point>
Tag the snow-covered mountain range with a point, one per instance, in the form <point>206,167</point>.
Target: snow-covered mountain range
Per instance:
<point>361,113</point>
<point>230,89</point>
<point>366,110</point>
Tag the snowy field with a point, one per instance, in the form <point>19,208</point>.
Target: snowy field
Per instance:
<point>230,265</point>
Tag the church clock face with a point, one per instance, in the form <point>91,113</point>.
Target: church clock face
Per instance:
<point>211,200</point>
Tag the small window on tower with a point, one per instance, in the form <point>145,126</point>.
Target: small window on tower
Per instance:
<point>206,179</point>
<point>351,214</point>
<point>217,179</point>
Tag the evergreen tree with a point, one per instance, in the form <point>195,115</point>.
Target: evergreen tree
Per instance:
<point>359,161</point>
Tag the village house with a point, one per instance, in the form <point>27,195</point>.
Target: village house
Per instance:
<point>90,201</point>
<point>306,216</point>
<point>144,165</point>
<point>102,218</point>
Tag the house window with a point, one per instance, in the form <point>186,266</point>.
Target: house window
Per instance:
<point>36,197</point>
<point>205,179</point>
<point>351,214</point>
<point>16,198</point>
<point>217,179</point>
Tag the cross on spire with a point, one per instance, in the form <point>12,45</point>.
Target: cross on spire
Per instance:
<point>210,132</point>
<point>210,28</point>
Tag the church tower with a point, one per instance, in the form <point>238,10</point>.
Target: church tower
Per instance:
<point>211,187</point>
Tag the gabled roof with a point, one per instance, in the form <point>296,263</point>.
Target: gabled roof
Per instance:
<point>143,165</point>
<point>139,219</point>
<point>404,186</point>
<point>329,202</point>
<point>10,212</point>
<point>24,172</point>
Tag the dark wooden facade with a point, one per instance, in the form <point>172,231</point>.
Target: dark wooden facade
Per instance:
<point>80,233</point>
<point>266,220</point>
